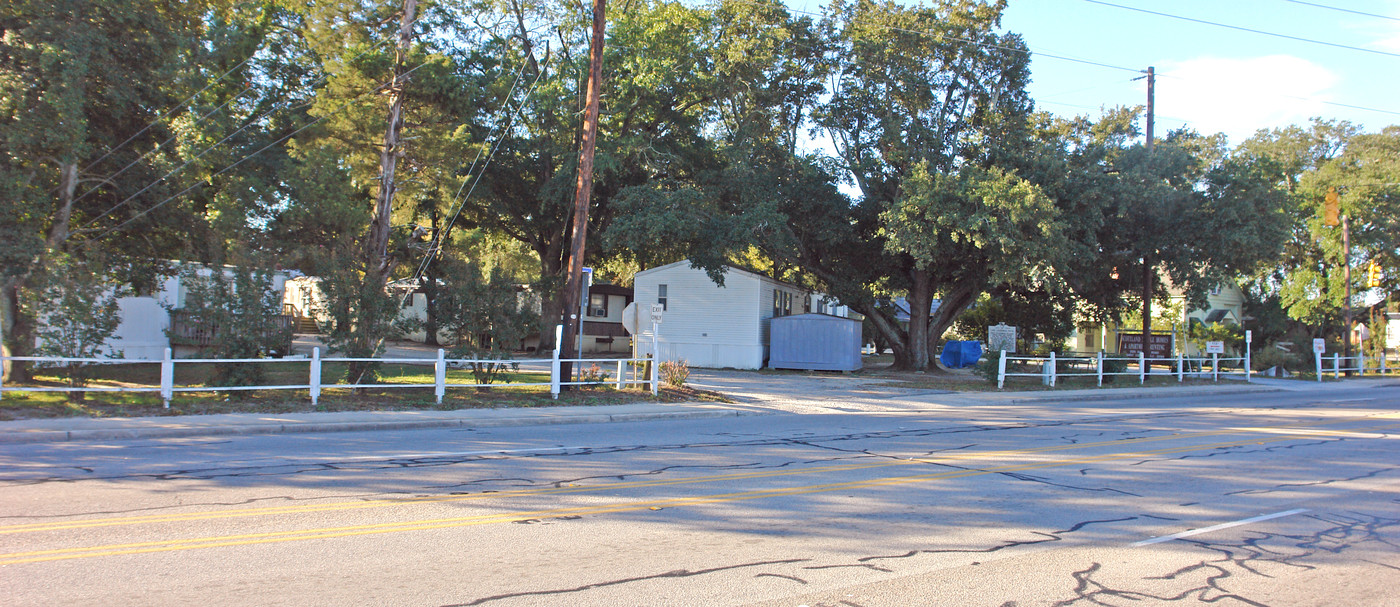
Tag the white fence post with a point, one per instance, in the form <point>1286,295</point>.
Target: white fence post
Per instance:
<point>1180,368</point>
<point>1248,369</point>
<point>655,375</point>
<point>1001,370</point>
<point>1336,366</point>
<point>314,382</point>
<point>1142,367</point>
<point>1214,367</point>
<point>167,378</point>
<point>1360,363</point>
<point>1052,368</point>
<point>2,371</point>
<point>1098,365</point>
<point>1318,357</point>
<point>619,374</point>
<point>440,376</point>
<point>554,375</point>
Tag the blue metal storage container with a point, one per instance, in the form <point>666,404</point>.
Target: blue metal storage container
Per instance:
<point>817,342</point>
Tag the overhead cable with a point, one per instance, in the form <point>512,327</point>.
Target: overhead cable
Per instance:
<point>1245,29</point>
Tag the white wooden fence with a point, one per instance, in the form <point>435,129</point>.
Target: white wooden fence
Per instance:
<point>1052,368</point>
<point>315,385</point>
<point>1359,364</point>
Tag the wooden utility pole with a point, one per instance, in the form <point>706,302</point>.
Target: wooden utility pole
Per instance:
<point>1346,278</point>
<point>1148,277</point>
<point>377,242</point>
<point>573,287</point>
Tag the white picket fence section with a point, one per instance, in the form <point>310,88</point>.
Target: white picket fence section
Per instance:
<point>1359,364</point>
<point>315,385</point>
<point>1052,368</point>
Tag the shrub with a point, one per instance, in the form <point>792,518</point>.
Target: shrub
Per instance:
<point>1113,366</point>
<point>593,373</point>
<point>1270,356</point>
<point>78,308</point>
<point>987,367</point>
<point>675,372</point>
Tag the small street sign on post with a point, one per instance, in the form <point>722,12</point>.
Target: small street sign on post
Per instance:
<point>656,312</point>
<point>1215,347</point>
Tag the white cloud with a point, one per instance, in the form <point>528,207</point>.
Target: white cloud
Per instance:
<point>1385,31</point>
<point>1239,96</point>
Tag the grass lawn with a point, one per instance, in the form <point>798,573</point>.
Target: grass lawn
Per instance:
<point>26,405</point>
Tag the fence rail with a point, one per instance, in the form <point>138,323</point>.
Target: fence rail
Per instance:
<point>315,385</point>
<point>1359,364</point>
<point>1182,366</point>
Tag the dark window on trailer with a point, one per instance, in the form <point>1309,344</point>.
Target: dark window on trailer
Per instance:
<point>661,296</point>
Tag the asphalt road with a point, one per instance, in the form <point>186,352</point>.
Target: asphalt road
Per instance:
<point>1287,498</point>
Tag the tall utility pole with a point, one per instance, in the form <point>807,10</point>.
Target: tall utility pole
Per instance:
<point>574,286</point>
<point>1346,278</point>
<point>1331,216</point>
<point>1147,275</point>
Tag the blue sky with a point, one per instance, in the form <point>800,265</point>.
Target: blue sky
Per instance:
<point>1210,78</point>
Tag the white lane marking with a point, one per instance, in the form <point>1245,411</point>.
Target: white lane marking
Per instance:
<point>1175,536</point>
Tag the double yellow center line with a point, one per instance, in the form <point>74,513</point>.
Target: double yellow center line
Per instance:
<point>1271,434</point>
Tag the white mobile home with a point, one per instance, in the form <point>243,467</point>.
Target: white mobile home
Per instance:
<point>716,326</point>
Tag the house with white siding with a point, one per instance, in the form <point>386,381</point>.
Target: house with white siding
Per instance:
<point>716,326</point>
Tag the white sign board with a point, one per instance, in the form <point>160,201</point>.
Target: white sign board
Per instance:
<point>1215,347</point>
<point>1248,336</point>
<point>1001,337</point>
<point>656,310</point>
<point>1319,345</point>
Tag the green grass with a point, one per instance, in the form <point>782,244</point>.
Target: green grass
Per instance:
<point>24,405</point>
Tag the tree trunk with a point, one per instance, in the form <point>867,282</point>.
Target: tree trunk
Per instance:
<point>377,243</point>
<point>20,326</point>
<point>18,332</point>
<point>920,299</point>
<point>957,300</point>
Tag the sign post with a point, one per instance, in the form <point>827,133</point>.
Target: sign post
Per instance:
<point>656,312</point>
<point>1248,351</point>
<point>1319,346</point>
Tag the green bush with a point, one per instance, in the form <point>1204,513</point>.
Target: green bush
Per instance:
<point>987,367</point>
<point>1113,366</point>
<point>1270,356</point>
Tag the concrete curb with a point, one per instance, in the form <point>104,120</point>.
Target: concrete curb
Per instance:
<point>48,436</point>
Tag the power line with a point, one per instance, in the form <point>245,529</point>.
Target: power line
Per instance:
<point>269,146</point>
<point>172,108</point>
<point>206,150</point>
<point>976,43</point>
<point>1344,10</point>
<point>1245,29</point>
<point>438,237</point>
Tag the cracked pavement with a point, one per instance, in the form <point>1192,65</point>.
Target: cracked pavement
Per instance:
<point>1286,498</point>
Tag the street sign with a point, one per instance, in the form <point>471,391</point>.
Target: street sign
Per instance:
<point>1215,347</point>
<point>1319,345</point>
<point>656,310</point>
<point>1248,336</point>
